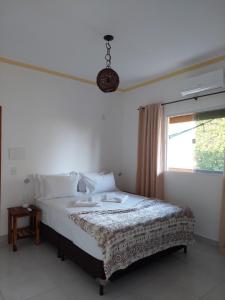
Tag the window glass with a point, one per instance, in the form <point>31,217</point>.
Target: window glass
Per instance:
<point>196,142</point>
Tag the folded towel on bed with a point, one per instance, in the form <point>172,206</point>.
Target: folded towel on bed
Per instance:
<point>83,204</point>
<point>115,200</point>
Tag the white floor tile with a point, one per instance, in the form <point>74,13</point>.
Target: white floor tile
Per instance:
<point>1,296</point>
<point>35,273</point>
<point>25,285</point>
<point>165,293</point>
<point>217,293</point>
<point>55,294</point>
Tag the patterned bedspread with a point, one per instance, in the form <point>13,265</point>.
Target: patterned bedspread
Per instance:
<point>127,235</point>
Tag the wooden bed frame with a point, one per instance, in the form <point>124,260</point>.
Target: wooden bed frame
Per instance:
<point>95,267</point>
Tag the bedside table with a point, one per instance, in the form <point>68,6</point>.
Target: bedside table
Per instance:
<point>33,230</point>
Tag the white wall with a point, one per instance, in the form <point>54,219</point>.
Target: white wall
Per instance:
<point>62,124</point>
<point>202,192</point>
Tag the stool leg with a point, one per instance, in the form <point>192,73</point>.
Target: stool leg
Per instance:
<point>37,228</point>
<point>9,229</point>
<point>14,233</point>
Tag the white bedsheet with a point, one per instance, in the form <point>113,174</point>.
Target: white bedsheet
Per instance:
<point>55,214</point>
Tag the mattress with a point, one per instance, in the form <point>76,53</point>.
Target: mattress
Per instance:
<point>55,215</point>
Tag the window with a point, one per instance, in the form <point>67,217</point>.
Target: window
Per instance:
<point>196,142</point>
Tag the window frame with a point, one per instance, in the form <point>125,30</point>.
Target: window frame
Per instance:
<point>184,170</point>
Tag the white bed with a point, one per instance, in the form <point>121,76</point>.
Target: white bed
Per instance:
<point>55,215</point>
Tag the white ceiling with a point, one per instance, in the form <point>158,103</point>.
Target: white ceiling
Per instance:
<point>151,36</point>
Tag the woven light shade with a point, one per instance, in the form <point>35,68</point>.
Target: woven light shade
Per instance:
<point>108,80</point>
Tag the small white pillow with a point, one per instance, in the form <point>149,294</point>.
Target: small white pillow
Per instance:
<point>99,183</point>
<point>82,187</point>
<point>59,186</point>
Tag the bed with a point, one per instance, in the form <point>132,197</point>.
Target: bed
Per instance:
<point>112,235</point>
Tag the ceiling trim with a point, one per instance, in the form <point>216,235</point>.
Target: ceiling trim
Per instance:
<point>47,71</point>
<point>127,89</point>
<point>44,70</point>
<point>176,73</point>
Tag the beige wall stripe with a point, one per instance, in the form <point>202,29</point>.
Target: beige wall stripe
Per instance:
<point>176,72</point>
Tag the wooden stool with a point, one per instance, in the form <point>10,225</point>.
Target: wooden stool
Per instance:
<point>33,230</point>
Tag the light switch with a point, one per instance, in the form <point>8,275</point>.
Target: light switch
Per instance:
<point>18,153</point>
<point>13,171</point>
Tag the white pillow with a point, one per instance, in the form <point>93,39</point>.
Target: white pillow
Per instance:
<point>55,186</point>
<point>99,183</point>
<point>59,186</point>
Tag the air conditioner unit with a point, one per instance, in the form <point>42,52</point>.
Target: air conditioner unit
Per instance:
<point>204,82</point>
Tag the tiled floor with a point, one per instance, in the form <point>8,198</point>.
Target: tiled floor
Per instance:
<point>35,273</point>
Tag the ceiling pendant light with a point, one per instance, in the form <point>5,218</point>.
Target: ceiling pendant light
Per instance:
<point>107,79</point>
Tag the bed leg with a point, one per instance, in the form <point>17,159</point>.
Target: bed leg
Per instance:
<point>62,254</point>
<point>58,253</point>
<point>58,250</point>
<point>185,249</point>
<point>102,283</point>
<point>101,290</point>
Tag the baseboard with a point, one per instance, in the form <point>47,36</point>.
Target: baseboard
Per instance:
<point>206,240</point>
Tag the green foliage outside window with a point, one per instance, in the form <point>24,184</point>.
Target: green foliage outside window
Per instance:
<point>210,145</point>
